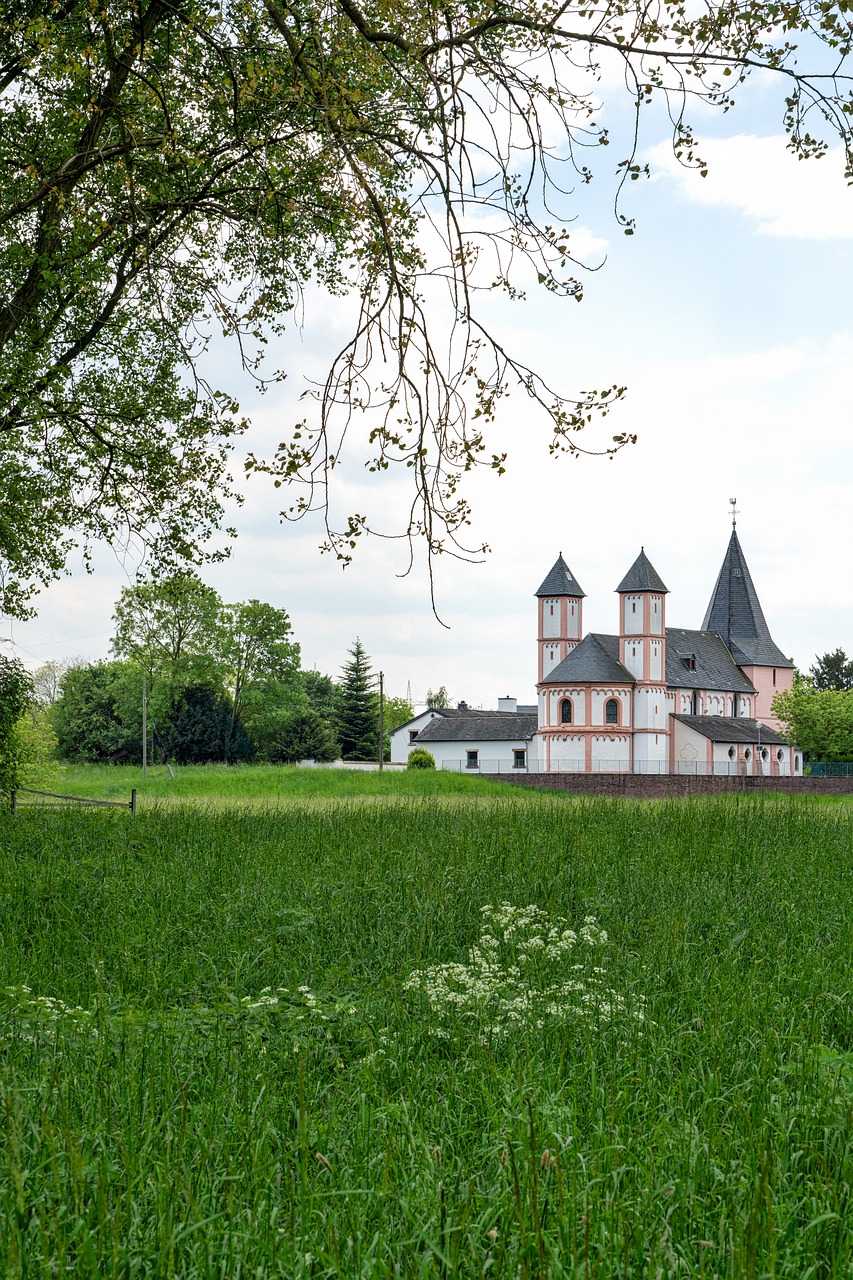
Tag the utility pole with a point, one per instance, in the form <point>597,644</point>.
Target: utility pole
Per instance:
<point>144,727</point>
<point>381,720</point>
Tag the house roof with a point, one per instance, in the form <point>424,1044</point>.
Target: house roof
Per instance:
<point>560,581</point>
<point>733,729</point>
<point>594,661</point>
<point>715,666</point>
<point>642,576</point>
<point>481,726</point>
<point>736,614</point>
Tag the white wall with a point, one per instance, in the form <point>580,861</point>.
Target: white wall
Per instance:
<point>492,756</point>
<point>610,753</point>
<point>400,744</point>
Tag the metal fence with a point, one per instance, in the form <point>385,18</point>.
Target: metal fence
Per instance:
<point>828,769</point>
<point>54,800</point>
<point>689,768</point>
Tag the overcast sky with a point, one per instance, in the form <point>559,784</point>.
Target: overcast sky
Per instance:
<point>728,317</point>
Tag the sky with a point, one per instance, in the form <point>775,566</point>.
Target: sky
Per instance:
<point>727,315</point>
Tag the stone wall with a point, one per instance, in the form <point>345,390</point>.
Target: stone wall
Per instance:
<point>655,787</point>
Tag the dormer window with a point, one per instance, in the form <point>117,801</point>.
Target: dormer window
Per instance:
<point>689,660</point>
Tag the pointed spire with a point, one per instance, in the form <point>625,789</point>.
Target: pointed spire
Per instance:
<point>735,613</point>
<point>561,581</point>
<point>642,576</point>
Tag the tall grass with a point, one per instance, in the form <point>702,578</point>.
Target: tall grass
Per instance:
<point>228,785</point>
<point>242,1078</point>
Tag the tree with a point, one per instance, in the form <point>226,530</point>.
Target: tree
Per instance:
<point>201,730</point>
<point>168,627</point>
<point>47,679</point>
<point>396,711</point>
<point>819,722</point>
<point>166,170</point>
<point>304,736</point>
<point>358,715</point>
<point>323,694</point>
<point>439,698</point>
<point>832,671</point>
<point>16,696</point>
<point>257,654</point>
<point>98,715</point>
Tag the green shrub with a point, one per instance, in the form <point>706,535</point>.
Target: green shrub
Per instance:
<point>420,758</point>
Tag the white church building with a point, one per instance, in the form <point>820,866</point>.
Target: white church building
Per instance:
<point>648,699</point>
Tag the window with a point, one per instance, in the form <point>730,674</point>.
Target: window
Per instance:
<point>747,755</point>
<point>611,711</point>
<point>732,753</point>
<point>774,676</point>
<point>694,705</point>
<point>566,711</point>
<point>413,735</point>
<point>519,759</point>
<point>633,606</point>
<point>764,753</point>
<point>551,607</point>
<point>780,755</point>
<point>473,760</point>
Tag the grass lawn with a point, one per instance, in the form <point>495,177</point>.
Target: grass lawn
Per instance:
<point>265,785</point>
<point>525,1038</point>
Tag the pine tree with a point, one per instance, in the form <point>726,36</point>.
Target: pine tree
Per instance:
<point>358,717</point>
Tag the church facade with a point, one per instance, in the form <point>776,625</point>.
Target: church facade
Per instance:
<point>658,699</point>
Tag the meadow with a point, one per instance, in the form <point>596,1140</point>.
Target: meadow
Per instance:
<point>530,1036</point>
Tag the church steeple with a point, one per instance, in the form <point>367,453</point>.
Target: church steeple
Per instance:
<point>560,613</point>
<point>642,621</point>
<point>736,614</point>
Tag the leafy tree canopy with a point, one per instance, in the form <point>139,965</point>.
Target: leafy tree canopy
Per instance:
<point>170,170</point>
<point>819,722</point>
<point>832,671</point>
<point>17,694</point>
<point>438,698</point>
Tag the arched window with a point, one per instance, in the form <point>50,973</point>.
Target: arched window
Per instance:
<point>732,753</point>
<point>694,704</point>
<point>611,711</point>
<point>780,754</point>
<point>566,711</point>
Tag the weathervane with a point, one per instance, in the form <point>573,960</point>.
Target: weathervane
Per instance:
<point>735,512</point>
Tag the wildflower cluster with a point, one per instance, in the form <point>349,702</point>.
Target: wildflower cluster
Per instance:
<point>38,1018</point>
<point>526,970</point>
<point>308,1018</point>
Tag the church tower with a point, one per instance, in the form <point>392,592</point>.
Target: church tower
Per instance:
<point>642,649</point>
<point>736,614</point>
<point>560,616</point>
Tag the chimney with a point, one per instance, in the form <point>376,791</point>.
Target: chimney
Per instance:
<point>507,704</point>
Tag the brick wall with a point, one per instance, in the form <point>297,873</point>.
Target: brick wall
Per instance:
<point>652,787</point>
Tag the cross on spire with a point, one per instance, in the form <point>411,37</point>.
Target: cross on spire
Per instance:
<point>734,511</point>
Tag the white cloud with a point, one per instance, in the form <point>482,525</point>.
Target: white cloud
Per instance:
<point>762,179</point>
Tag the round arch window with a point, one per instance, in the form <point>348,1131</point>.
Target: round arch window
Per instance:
<point>611,711</point>
<point>566,711</point>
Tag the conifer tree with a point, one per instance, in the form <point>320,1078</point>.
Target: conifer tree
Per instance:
<point>358,717</point>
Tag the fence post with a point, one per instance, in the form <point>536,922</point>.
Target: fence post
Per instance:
<point>13,796</point>
<point>133,801</point>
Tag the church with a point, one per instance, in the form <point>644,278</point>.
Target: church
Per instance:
<point>650,698</point>
<point>654,698</point>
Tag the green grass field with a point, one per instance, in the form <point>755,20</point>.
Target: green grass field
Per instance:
<point>259,1041</point>
<point>268,785</point>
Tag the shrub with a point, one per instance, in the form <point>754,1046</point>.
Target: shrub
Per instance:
<point>420,758</point>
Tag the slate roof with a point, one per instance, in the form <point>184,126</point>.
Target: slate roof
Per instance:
<point>595,660</point>
<point>735,613</point>
<point>481,726</point>
<point>560,581</point>
<point>642,576</point>
<point>732,729</point>
<point>715,665</point>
